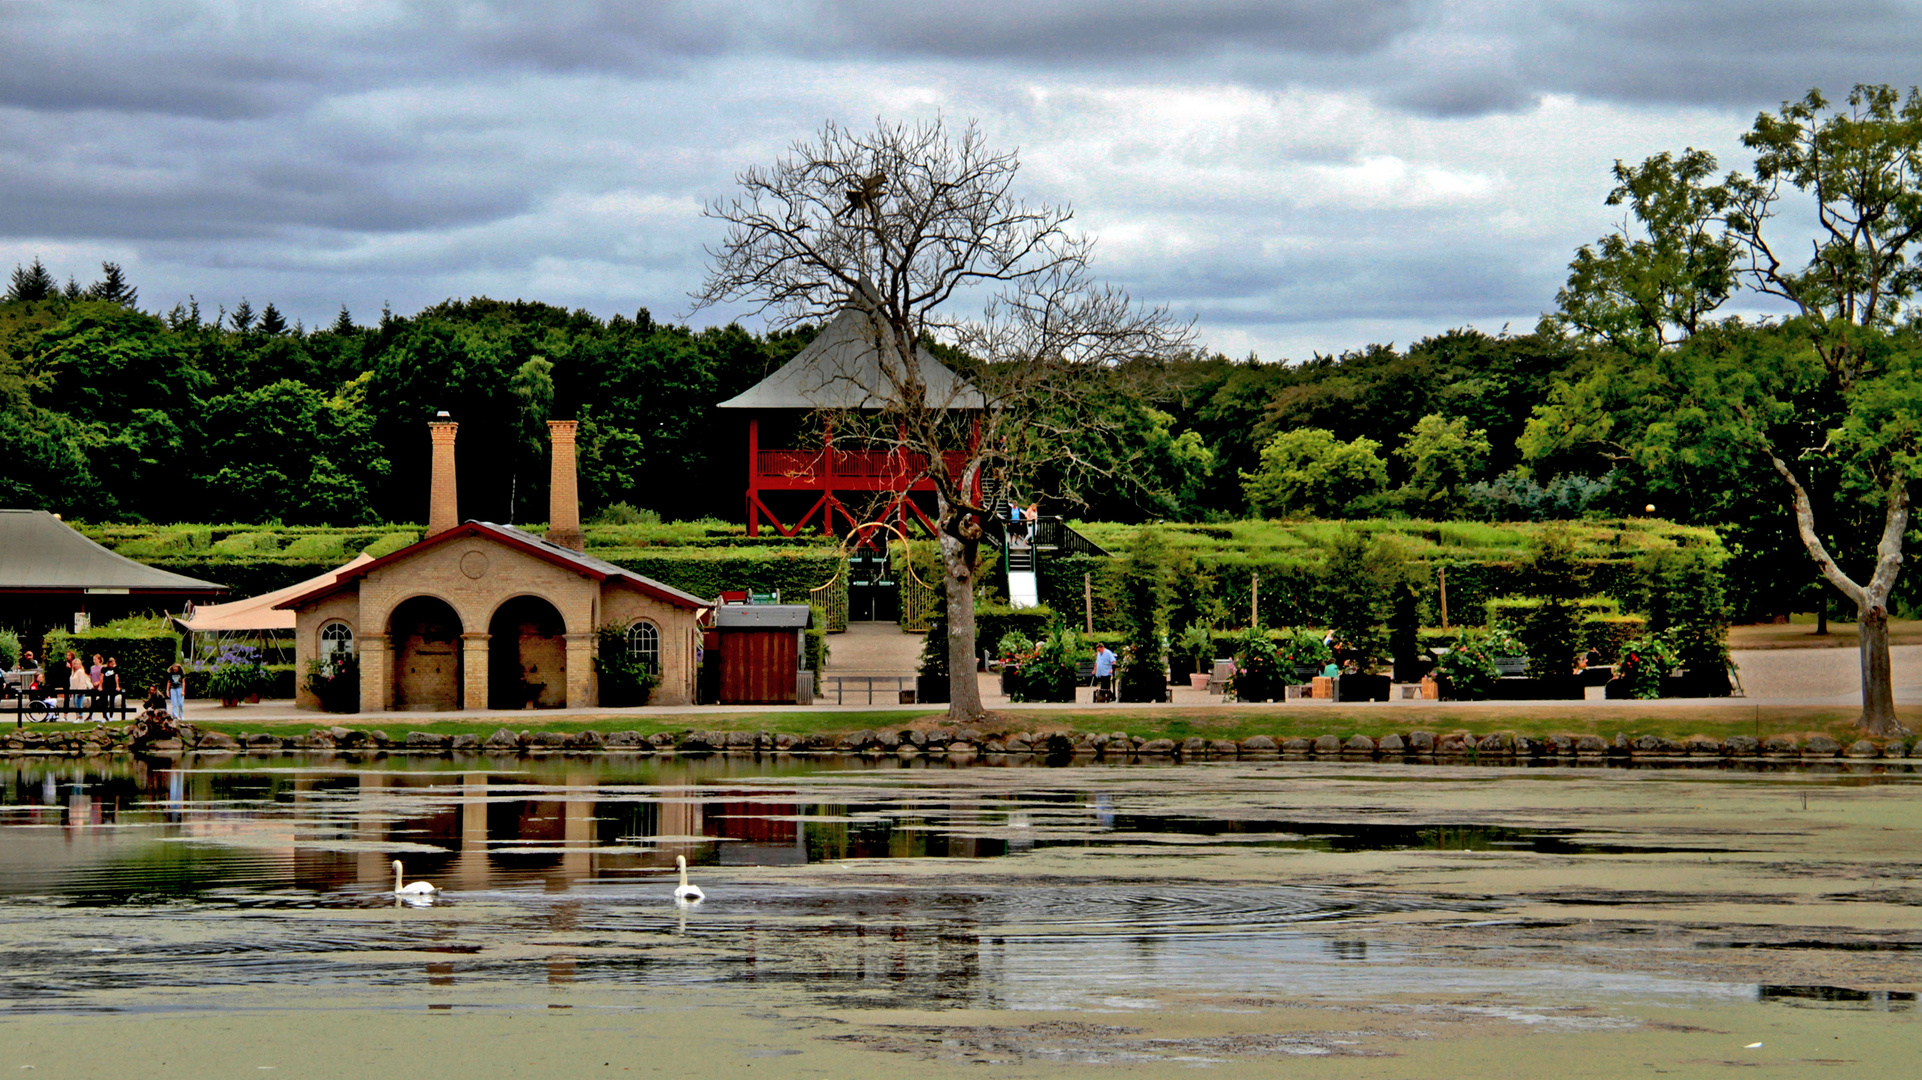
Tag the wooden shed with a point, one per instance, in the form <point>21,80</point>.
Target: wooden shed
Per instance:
<point>763,656</point>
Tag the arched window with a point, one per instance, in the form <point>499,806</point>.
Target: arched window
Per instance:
<point>644,644</point>
<point>336,637</point>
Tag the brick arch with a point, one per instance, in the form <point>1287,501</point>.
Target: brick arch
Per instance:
<point>426,633</point>
<point>527,661</point>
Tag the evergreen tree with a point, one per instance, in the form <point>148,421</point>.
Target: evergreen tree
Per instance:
<point>31,283</point>
<point>243,316</point>
<point>271,321</point>
<point>112,286</point>
<point>343,322</point>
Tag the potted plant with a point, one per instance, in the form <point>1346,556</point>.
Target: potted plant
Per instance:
<point>335,680</point>
<point>1013,650</point>
<point>1049,673</point>
<point>1258,675</point>
<point>1467,671</point>
<point>1302,655</point>
<point>237,672</point>
<point>1645,662</point>
<point>1197,646</point>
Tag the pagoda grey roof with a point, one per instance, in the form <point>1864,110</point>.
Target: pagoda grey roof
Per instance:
<point>41,553</point>
<point>841,369</point>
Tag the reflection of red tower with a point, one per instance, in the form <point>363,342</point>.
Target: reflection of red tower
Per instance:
<point>797,478</point>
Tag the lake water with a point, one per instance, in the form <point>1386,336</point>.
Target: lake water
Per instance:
<point>1561,897</point>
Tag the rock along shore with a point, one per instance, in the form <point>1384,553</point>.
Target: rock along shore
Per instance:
<point>1416,745</point>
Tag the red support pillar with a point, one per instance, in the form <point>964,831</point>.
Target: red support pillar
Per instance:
<point>753,475</point>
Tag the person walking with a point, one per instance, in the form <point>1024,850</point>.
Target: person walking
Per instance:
<point>79,686</point>
<point>177,691</point>
<point>1103,672</point>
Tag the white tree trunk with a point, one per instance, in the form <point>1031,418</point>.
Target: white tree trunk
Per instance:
<point>1871,600</point>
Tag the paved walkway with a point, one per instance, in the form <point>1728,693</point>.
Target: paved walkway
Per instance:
<point>1809,678</point>
<point>873,648</point>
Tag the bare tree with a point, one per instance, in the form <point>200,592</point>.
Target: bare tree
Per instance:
<point>913,225</point>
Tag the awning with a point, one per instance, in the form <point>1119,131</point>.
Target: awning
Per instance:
<point>256,613</point>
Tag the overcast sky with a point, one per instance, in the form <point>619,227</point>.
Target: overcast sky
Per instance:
<point>1298,175</point>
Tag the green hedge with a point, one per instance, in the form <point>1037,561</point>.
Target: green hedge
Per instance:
<point>143,656</point>
<point>707,572</point>
<point>991,621</point>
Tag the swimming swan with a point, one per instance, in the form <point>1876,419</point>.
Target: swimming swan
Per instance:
<point>415,888</point>
<point>686,894</point>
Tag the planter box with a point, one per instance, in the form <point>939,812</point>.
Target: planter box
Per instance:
<point>1362,688</point>
<point>1324,687</point>
<point>931,690</point>
<point>1198,680</point>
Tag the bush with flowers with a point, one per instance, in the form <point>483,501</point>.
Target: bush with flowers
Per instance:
<point>1258,672</point>
<point>1645,661</point>
<point>1469,666</point>
<point>236,672</point>
<point>1046,670</point>
<point>335,680</point>
<point>1303,650</point>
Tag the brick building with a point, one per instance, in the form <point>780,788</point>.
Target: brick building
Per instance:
<point>478,616</point>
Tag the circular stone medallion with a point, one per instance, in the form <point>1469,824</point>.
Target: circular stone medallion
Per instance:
<point>474,564</point>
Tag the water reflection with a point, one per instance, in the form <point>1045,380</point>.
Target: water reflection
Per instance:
<point>123,876</point>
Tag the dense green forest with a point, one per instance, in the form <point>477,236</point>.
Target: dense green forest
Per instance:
<point>113,413</point>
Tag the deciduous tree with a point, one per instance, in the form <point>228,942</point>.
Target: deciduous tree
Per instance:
<point>920,225</point>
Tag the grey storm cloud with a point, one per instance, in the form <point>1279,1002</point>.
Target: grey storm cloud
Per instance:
<point>1274,167</point>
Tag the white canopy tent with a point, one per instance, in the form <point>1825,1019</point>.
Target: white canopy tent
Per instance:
<point>253,621</point>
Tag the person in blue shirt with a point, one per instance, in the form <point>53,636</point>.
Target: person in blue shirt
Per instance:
<point>1104,669</point>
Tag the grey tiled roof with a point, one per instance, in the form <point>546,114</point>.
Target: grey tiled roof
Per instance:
<point>842,369</point>
<point>40,552</point>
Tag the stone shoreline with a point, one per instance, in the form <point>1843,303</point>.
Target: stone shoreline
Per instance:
<point>969,741</point>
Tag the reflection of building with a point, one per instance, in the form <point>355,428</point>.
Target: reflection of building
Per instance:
<point>478,615</point>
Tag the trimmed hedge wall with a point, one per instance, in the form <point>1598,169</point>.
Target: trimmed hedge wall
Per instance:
<point>142,660</point>
<point>792,572</point>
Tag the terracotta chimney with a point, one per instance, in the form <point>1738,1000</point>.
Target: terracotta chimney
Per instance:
<point>443,501</point>
<point>563,496</point>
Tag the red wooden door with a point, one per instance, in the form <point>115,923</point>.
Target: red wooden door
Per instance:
<point>757,667</point>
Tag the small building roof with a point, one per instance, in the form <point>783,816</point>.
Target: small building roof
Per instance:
<point>585,565</point>
<point>763,617</point>
<point>260,612</point>
<point>841,369</point>
<point>39,553</point>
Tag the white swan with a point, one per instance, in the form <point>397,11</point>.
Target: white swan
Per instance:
<point>412,888</point>
<point>686,894</point>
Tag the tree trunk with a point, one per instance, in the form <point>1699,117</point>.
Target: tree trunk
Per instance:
<point>1878,689</point>
<point>957,574</point>
<point>1871,601</point>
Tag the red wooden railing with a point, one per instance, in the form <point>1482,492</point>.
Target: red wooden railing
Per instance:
<point>807,465</point>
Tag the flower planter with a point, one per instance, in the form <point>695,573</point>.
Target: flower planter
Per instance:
<point>1198,681</point>
<point>229,703</point>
